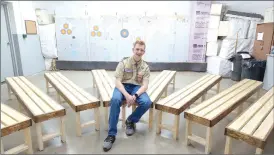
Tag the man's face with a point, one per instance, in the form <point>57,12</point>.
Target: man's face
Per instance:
<point>139,50</point>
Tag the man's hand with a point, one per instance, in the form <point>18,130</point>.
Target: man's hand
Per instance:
<point>130,100</point>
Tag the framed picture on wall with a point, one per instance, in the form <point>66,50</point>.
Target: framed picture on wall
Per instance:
<point>30,27</point>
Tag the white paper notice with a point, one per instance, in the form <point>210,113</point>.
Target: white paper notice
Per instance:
<point>260,36</point>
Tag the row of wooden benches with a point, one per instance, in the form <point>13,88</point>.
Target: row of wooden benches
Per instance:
<point>42,108</point>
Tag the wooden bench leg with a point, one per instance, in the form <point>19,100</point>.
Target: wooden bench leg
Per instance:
<point>176,127</point>
<point>58,98</point>
<point>78,124</point>
<point>188,131</point>
<point>2,147</point>
<point>218,88</point>
<point>106,117</point>
<point>259,151</point>
<point>62,129</point>
<point>174,83</point>
<point>150,119</point>
<point>133,107</point>
<point>159,122</point>
<point>123,116</point>
<point>258,94</point>
<point>204,97</point>
<point>240,109</point>
<point>28,140</point>
<point>97,119</point>
<point>39,136</point>
<point>47,86</point>
<point>208,140</point>
<point>9,92</point>
<point>228,145</point>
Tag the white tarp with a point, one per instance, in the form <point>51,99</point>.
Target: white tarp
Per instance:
<point>48,40</point>
<point>219,66</point>
<point>213,48</point>
<point>228,47</point>
<point>238,26</point>
<point>252,29</point>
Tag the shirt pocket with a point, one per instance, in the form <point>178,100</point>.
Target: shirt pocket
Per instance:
<point>128,73</point>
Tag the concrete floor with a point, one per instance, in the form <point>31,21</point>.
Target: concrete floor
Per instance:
<point>143,142</point>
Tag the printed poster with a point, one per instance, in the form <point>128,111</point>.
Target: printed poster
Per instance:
<point>198,33</point>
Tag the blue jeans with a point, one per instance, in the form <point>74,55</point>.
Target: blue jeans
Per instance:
<point>143,102</point>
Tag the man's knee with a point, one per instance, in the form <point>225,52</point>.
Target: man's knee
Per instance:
<point>115,100</point>
<point>146,102</point>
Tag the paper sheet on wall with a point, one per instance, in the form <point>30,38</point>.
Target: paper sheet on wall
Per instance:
<point>260,36</point>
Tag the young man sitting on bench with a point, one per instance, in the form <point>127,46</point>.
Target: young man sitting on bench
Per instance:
<point>132,77</point>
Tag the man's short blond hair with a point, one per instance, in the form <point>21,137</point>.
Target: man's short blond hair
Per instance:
<point>140,42</point>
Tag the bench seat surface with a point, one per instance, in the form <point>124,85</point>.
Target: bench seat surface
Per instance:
<point>211,111</point>
<point>12,120</point>
<point>182,99</point>
<point>255,124</point>
<point>155,88</point>
<point>76,97</point>
<point>39,105</point>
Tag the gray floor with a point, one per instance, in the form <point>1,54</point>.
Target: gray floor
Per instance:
<point>143,142</point>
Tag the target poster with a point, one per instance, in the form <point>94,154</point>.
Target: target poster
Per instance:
<point>198,33</point>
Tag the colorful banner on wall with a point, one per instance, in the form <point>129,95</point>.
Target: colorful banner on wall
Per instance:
<point>198,35</point>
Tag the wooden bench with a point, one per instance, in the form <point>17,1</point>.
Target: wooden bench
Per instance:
<point>180,100</point>
<point>12,121</point>
<point>76,97</point>
<point>211,111</point>
<point>156,88</point>
<point>38,105</point>
<point>254,125</point>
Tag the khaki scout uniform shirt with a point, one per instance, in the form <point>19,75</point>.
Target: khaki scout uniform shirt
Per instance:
<point>128,69</point>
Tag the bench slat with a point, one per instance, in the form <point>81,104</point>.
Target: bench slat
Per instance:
<point>50,102</point>
<point>221,101</point>
<point>105,83</point>
<point>7,120</point>
<point>200,90</point>
<point>216,97</point>
<point>161,88</point>
<point>40,103</point>
<point>252,110</point>
<point>253,124</point>
<point>100,86</point>
<point>35,110</point>
<point>70,89</point>
<point>80,90</point>
<point>73,100</point>
<point>234,99</point>
<point>152,89</point>
<point>179,92</point>
<point>266,127</point>
<point>19,117</point>
<point>156,79</point>
<point>110,82</point>
<point>188,91</point>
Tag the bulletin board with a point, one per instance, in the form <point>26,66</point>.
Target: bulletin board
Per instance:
<point>30,27</point>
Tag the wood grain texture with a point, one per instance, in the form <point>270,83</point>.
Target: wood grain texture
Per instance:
<point>177,102</point>
<point>12,120</point>
<point>255,124</point>
<point>211,111</point>
<point>76,97</point>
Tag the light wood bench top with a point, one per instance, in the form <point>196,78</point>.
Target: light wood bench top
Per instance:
<point>39,105</point>
<point>76,97</point>
<point>178,101</point>
<point>211,111</point>
<point>155,88</point>
<point>256,123</point>
<point>12,120</point>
